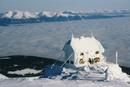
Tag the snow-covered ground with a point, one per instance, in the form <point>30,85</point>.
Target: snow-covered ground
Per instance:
<point>24,71</point>
<point>119,80</point>
<point>59,83</point>
<point>3,77</point>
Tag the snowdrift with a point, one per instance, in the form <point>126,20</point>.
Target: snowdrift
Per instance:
<point>115,72</point>
<point>3,77</point>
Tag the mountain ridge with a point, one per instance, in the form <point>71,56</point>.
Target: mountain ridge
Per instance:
<point>20,17</point>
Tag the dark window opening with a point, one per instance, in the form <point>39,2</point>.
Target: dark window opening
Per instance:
<point>81,54</point>
<point>97,52</point>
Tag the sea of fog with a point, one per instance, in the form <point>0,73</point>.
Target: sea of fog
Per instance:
<point>47,39</point>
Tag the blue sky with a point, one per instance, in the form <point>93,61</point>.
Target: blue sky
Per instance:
<point>61,5</point>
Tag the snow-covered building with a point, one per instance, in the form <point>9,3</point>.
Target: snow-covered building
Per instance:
<point>84,51</point>
<point>87,53</point>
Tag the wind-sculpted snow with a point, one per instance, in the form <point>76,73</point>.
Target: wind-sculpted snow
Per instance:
<point>20,17</point>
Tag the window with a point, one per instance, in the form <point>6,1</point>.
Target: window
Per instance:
<point>97,52</point>
<point>97,59</point>
<point>81,54</point>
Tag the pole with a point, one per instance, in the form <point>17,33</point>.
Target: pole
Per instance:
<point>66,60</point>
<point>116,57</point>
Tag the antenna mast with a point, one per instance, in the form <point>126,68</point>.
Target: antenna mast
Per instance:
<point>116,57</point>
<point>91,33</point>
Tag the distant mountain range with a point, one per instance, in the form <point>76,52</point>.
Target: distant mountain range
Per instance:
<point>20,17</point>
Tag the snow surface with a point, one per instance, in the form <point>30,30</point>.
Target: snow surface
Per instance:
<point>59,83</point>
<point>3,77</point>
<point>56,82</point>
<point>115,72</point>
<point>24,71</point>
<point>119,79</point>
<point>88,44</point>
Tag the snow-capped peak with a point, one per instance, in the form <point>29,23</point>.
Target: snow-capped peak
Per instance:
<point>27,14</point>
<point>47,13</point>
<point>62,14</point>
<point>17,15</point>
<point>7,14</point>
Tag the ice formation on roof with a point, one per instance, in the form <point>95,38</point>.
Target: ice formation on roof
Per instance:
<point>86,44</point>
